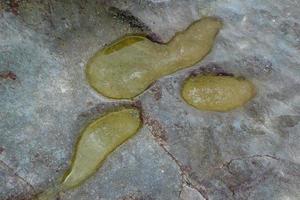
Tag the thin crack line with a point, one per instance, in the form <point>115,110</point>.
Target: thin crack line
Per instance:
<point>17,175</point>
<point>225,164</point>
<point>183,174</point>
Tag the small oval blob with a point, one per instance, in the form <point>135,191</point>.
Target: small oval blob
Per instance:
<point>127,67</point>
<point>98,140</point>
<point>217,93</point>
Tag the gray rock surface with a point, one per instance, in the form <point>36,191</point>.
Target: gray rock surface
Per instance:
<point>138,170</point>
<point>181,153</point>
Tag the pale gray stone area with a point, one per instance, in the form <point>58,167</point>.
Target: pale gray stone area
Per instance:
<point>181,153</point>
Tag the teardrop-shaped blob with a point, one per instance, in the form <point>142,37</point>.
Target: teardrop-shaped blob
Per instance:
<point>127,67</point>
<point>217,93</point>
<point>99,139</point>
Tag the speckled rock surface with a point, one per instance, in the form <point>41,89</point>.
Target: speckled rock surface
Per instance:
<point>181,153</point>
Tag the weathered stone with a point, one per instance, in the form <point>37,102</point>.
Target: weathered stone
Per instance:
<point>248,153</point>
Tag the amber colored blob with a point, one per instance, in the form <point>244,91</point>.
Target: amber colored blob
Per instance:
<point>127,67</point>
<point>95,143</point>
<point>217,93</point>
<point>98,140</point>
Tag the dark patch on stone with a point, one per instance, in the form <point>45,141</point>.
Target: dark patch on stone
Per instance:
<point>155,38</point>
<point>156,128</point>
<point>14,5</point>
<point>2,7</point>
<point>135,22</point>
<point>127,16</point>
<point>156,91</point>
<point>8,75</point>
<point>211,68</point>
<point>186,168</point>
<point>1,150</point>
<point>137,104</point>
<point>96,110</point>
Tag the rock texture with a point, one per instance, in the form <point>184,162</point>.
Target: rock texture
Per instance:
<point>181,153</point>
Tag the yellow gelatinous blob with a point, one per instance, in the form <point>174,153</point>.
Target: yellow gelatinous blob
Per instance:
<point>98,140</point>
<point>126,68</point>
<point>217,93</point>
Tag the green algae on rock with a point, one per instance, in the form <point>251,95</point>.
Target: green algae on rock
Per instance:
<point>127,67</point>
<point>95,143</point>
<point>217,93</point>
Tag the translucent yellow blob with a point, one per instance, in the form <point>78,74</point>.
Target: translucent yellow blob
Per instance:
<point>99,139</point>
<point>127,67</point>
<point>96,142</point>
<point>217,93</point>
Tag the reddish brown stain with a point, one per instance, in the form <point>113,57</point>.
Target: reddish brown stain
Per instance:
<point>156,128</point>
<point>8,75</point>
<point>156,91</point>
<point>211,68</point>
<point>14,5</point>
<point>154,37</point>
<point>1,150</point>
<point>186,168</point>
<point>137,104</point>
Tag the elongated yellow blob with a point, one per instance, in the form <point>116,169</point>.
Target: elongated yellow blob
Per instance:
<point>127,67</point>
<point>98,140</point>
<point>217,93</point>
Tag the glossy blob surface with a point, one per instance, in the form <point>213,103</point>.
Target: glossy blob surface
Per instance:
<point>217,93</point>
<point>127,67</point>
<point>98,140</point>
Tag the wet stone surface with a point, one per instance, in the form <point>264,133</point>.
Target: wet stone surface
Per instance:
<point>181,153</point>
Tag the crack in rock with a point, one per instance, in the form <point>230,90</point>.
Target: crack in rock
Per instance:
<point>16,175</point>
<point>249,157</point>
<point>184,176</point>
<point>226,166</point>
